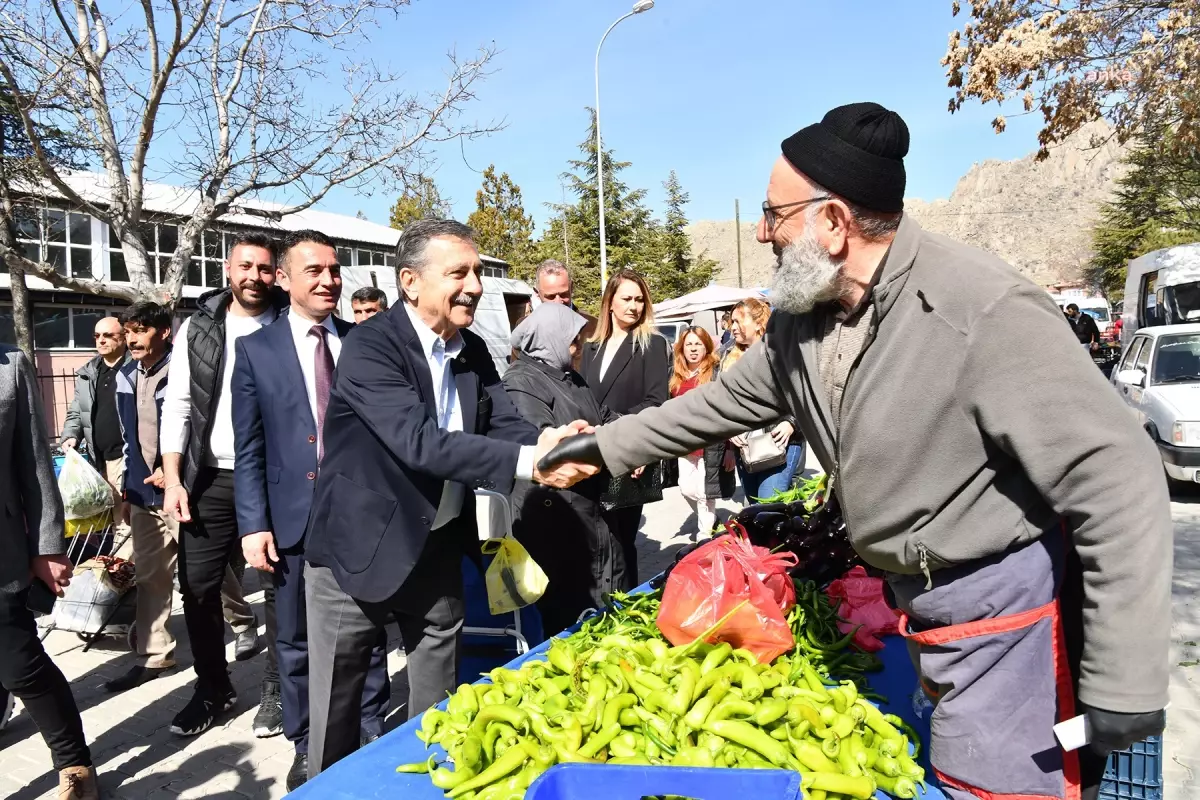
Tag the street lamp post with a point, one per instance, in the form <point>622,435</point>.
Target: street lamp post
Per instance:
<point>638,8</point>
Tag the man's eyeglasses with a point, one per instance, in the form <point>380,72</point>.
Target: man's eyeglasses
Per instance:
<point>771,215</point>
<point>106,335</point>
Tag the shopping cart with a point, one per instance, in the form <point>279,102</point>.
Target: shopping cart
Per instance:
<point>101,597</point>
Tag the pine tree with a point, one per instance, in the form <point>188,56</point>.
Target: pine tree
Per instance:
<point>502,228</point>
<point>627,222</point>
<point>673,271</point>
<point>422,201</point>
<point>1156,204</point>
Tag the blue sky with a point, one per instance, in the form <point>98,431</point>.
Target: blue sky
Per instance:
<point>705,87</point>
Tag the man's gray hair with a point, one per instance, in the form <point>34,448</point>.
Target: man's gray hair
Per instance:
<point>873,225</point>
<point>410,250</point>
<point>550,267</point>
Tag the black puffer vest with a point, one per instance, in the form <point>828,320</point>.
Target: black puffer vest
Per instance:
<point>206,361</point>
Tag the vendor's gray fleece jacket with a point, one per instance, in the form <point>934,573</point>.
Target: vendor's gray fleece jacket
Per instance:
<point>972,422</point>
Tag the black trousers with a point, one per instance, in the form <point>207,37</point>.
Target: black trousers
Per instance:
<point>207,545</point>
<point>27,671</point>
<point>624,524</point>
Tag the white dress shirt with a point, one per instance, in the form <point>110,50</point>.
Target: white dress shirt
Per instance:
<point>175,425</point>
<point>306,351</point>
<point>439,353</point>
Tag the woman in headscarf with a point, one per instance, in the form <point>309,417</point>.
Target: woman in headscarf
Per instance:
<point>563,529</point>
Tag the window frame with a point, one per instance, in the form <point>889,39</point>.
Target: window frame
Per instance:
<point>73,339</point>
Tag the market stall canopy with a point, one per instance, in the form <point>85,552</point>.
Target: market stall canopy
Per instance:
<point>706,299</point>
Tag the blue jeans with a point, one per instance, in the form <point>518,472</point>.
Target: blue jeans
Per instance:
<point>763,485</point>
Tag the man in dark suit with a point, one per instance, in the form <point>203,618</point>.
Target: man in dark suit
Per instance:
<point>417,419</point>
<point>281,380</point>
<point>34,563</point>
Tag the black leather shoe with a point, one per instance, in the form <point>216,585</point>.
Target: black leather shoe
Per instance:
<point>298,774</point>
<point>136,676</point>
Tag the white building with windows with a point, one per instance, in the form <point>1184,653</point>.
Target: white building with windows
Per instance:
<point>81,245</point>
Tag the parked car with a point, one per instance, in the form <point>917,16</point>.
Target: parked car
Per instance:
<point>670,330</point>
<point>1159,379</point>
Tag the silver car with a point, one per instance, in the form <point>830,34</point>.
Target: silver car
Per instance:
<point>1159,379</point>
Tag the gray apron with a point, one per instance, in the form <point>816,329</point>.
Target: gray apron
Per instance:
<point>989,645</point>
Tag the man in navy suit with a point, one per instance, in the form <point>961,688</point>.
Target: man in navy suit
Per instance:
<point>417,419</point>
<point>280,388</point>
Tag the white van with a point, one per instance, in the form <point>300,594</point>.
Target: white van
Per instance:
<point>1161,288</point>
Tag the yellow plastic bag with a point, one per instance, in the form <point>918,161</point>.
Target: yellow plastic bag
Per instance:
<point>514,579</point>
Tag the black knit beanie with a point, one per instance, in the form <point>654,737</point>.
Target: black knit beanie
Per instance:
<point>857,151</point>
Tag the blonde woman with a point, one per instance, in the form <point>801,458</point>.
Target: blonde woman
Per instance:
<point>627,365</point>
<point>748,325</point>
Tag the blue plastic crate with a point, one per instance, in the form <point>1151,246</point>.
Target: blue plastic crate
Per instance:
<point>1134,774</point>
<point>589,781</point>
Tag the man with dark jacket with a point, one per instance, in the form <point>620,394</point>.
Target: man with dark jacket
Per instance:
<point>32,548</point>
<point>281,383</point>
<point>1085,327</point>
<point>141,386</point>
<point>417,419</point>
<point>92,417</point>
<point>1018,509</point>
<point>198,460</point>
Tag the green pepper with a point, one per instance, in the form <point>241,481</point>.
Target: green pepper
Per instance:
<point>419,767</point>
<point>901,786</point>
<point>599,740</point>
<point>831,747</point>
<point>744,656</point>
<point>657,740</point>
<point>562,656</point>
<point>469,700</point>
<point>810,756</point>
<point>769,711</point>
<point>592,707</point>
<point>470,754</point>
<point>709,678</point>
<point>715,657</point>
<point>747,735</point>
<point>799,710</point>
<point>846,758</point>
<point>875,721</point>
<point>779,732</point>
<point>813,680</point>
<point>493,697</point>
<point>770,679</point>
<point>632,761</point>
<point>887,765</point>
<point>704,706</point>
<point>681,699</point>
<point>730,707</point>
<point>444,779</point>
<point>572,730</point>
<point>910,768</point>
<point>625,745</point>
<point>859,787</point>
<point>494,733</point>
<point>614,706</point>
<point>516,717</point>
<point>658,649</point>
<point>752,687</point>
<point>430,721</point>
<point>658,725</point>
<point>629,718</point>
<point>843,726</point>
<point>513,759</point>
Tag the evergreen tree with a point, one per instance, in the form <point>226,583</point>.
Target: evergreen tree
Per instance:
<point>502,228</point>
<point>1156,204</point>
<point>626,222</point>
<point>422,201</point>
<point>672,271</point>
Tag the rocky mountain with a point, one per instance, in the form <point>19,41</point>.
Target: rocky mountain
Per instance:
<point>1035,215</point>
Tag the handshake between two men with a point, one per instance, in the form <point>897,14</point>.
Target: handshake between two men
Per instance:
<point>567,455</point>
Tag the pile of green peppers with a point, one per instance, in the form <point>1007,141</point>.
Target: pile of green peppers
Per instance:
<point>814,623</point>
<point>616,692</point>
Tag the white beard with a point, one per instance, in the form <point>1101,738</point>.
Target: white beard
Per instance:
<point>806,275</point>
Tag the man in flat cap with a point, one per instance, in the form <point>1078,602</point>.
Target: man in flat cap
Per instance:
<point>1023,524</point>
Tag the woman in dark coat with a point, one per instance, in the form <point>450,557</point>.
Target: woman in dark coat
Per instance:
<point>627,365</point>
<point>563,529</point>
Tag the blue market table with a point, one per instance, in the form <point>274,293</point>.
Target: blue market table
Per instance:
<point>370,773</point>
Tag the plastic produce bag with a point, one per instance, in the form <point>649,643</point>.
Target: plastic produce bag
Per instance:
<point>744,588</point>
<point>85,492</point>
<point>514,580</point>
<point>863,606</point>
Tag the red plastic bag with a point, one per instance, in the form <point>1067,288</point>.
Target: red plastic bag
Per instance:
<point>713,580</point>
<point>863,604</point>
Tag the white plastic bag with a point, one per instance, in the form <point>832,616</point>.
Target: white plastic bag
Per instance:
<point>85,492</point>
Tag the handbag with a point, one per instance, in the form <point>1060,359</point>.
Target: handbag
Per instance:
<point>760,451</point>
<point>624,490</point>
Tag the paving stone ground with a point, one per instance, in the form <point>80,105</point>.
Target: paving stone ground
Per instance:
<point>139,759</point>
